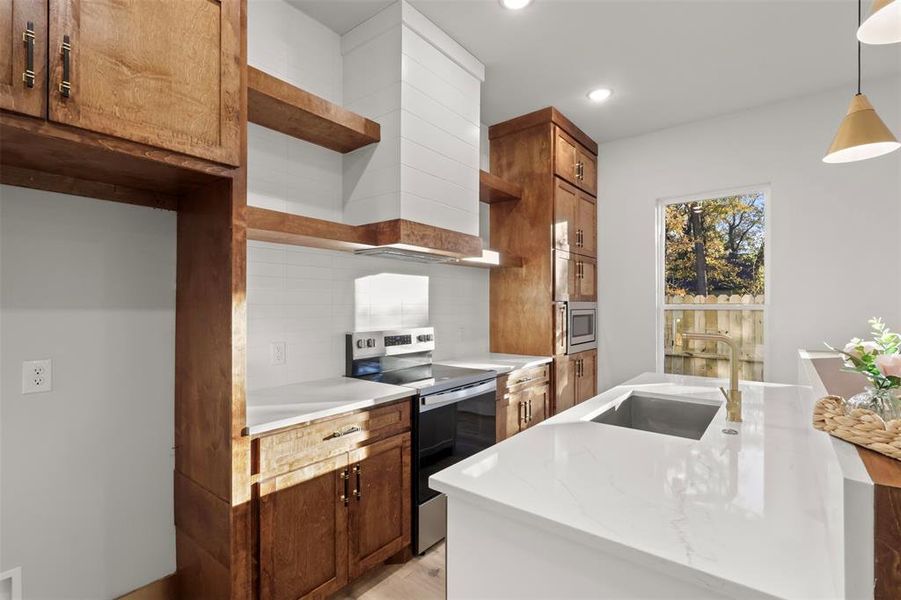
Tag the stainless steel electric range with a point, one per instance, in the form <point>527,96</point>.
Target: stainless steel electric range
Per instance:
<point>454,414</point>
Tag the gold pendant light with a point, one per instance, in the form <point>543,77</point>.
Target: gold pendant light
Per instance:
<point>883,26</point>
<point>862,134</point>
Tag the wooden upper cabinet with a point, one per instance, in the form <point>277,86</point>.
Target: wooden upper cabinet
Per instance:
<point>588,170</point>
<point>575,278</point>
<point>586,280</point>
<point>166,73</point>
<point>380,514</point>
<point>303,531</point>
<point>586,226</point>
<point>23,56</point>
<point>575,163</point>
<point>565,156</point>
<point>566,207</point>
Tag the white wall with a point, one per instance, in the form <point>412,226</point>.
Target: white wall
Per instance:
<point>821,216</point>
<point>86,489</point>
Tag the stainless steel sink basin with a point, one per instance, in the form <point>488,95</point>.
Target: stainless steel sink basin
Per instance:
<point>661,414</point>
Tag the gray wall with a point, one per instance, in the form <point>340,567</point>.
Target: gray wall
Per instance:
<point>86,472</point>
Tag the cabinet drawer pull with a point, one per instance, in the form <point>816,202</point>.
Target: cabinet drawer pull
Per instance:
<point>342,433</point>
<point>358,490</point>
<point>65,87</point>
<point>345,497</point>
<point>28,39</point>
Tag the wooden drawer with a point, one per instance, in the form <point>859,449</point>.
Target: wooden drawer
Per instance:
<point>303,445</point>
<point>522,378</point>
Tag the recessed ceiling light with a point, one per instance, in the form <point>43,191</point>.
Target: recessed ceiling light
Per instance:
<point>600,94</point>
<point>515,4</point>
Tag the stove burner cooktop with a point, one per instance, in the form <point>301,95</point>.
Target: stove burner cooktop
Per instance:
<point>431,378</point>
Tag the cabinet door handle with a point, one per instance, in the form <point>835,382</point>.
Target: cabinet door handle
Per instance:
<point>528,411</point>
<point>28,39</point>
<point>65,87</point>
<point>522,412</point>
<point>564,333</point>
<point>358,492</point>
<point>345,497</point>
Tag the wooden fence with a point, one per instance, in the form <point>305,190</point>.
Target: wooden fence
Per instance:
<point>711,359</point>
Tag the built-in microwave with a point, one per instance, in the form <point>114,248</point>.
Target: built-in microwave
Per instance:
<point>581,326</point>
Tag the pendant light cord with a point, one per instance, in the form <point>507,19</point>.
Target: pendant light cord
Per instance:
<point>859,2</point>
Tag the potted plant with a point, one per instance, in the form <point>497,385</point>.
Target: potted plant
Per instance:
<point>879,360</point>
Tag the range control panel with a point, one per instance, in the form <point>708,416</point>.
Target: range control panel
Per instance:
<point>372,344</point>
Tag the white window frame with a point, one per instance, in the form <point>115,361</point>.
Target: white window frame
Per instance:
<point>660,271</point>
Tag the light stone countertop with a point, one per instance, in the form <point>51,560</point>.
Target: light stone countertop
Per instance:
<point>743,513</point>
<point>493,361</point>
<point>298,403</point>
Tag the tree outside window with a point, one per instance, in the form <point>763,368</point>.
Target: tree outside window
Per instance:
<point>714,281</point>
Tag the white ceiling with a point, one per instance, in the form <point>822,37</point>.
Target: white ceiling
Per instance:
<point>668,62</point>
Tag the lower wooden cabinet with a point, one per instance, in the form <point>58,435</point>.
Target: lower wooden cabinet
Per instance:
<point>380,504</point>
<point>575,379</point>
<point>523,400</point>
<point>324,524</point>
<point>586,375</point>
<point>303,531</point>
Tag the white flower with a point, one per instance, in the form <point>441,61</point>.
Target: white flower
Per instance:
<point>858,348</point>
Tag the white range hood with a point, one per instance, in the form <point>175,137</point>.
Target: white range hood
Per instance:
<point>423,88</point>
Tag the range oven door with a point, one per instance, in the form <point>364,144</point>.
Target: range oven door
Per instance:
<point>452,425</point>
<point>581,326</point>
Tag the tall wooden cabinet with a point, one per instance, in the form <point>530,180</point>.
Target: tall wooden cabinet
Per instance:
<point>165,73</point>
<point>554,229</point>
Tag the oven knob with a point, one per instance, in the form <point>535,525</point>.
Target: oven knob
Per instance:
<point>370,343</point>
<point>360,343</point>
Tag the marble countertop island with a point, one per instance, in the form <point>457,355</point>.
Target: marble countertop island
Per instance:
<point>573,508</point>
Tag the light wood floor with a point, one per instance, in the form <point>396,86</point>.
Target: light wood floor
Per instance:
<point>422,578</point>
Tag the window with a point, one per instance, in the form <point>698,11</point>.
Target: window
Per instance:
<point>712,278</point>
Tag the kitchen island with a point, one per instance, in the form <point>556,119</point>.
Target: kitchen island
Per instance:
<point>574,508</point>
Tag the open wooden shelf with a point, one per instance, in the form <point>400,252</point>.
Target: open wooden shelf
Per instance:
<point>494,189</point>
<point>278,105</point>
<point>284,228</point>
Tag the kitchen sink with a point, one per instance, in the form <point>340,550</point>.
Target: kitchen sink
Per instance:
<point>661,414</point>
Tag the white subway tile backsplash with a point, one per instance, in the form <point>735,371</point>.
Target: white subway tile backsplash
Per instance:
<point>285,173</point>
<point>318,303</point>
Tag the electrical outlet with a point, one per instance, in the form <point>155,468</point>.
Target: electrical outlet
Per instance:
<point>37,376</point>
<point>278,353</point>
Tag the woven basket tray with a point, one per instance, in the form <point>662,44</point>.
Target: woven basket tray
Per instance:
<point>858,426</point>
